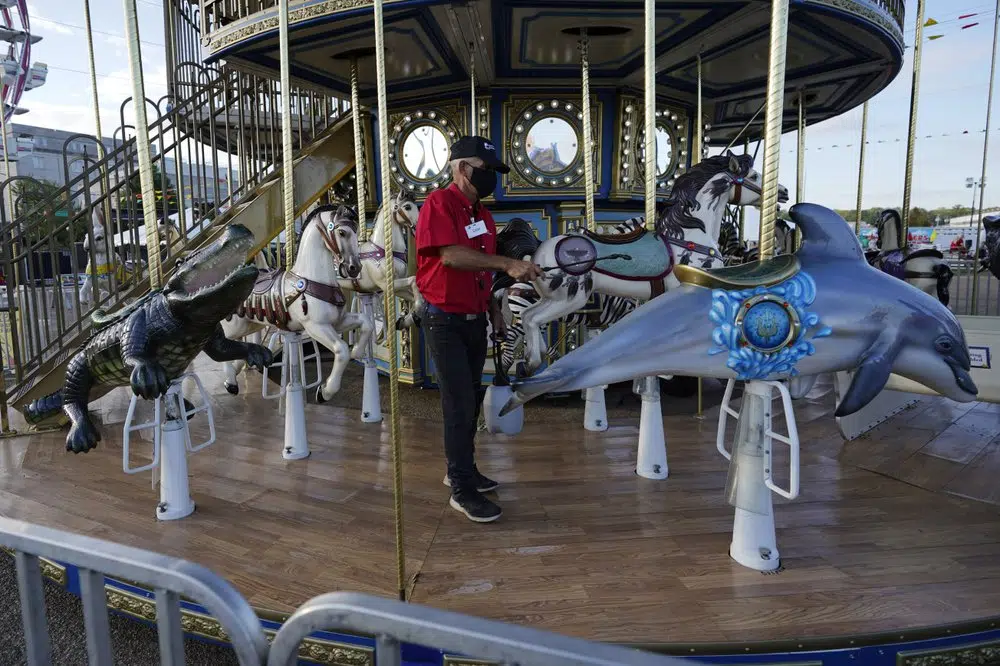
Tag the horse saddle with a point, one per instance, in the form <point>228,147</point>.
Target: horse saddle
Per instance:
<point>637,255</point>
<point>275,291</point>
<point>741,276</point>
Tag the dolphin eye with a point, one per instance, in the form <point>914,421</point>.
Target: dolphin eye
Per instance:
<point>944,344</point>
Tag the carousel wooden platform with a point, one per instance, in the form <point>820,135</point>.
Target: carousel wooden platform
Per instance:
<point>897,530</point>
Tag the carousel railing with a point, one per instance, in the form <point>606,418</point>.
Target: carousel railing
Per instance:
<point>214,144</point>
<point>173,580</point>
<point>169,577</point>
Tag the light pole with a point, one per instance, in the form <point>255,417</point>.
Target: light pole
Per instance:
<point>972,184</point>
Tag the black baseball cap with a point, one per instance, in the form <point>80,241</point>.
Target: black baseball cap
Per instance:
<point>477,146</point>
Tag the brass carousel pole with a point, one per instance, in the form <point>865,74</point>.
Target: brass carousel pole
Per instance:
<point>912,138</point>
<point>743,209</point>
<point>146,186</point>
<point>588,143</point>
<point>473,109</point>
<point>697,154</point>
<point>5,430</point>
<point>800,162</point>
<point>287,169</point>
<point>360,167</point>
<point>772,126</point>
<point>390,303</point>
<point>649,74</point>
<point>861,166</point>
<point>986,143</point>
<point>699,128</point>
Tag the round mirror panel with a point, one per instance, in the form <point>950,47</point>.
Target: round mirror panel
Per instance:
<point>664,150</point>
<point>425,152</point>
<point>551,144</point>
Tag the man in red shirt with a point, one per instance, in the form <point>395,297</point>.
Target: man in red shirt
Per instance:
<point>456,257</point>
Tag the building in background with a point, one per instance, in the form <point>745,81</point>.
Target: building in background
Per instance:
<point>38,152</point>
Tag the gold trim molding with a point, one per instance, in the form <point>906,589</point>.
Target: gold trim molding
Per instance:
<point>51,570</point>
<point>865,11</point>
<point>629,165</point>
<point>258,22</point>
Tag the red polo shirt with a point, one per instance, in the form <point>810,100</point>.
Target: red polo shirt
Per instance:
<point>443,220</point>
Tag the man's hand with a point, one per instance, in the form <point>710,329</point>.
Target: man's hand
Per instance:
<point>522,271</point>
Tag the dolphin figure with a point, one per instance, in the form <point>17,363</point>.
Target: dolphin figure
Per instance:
<point>822,309</point>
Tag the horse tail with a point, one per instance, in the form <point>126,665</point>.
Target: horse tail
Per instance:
<point>517,239</point>
<point>44,408</point>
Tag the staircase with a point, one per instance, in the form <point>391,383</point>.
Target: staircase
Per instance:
<point>225,120</point>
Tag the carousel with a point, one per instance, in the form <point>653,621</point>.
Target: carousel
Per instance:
<point>735,450</point>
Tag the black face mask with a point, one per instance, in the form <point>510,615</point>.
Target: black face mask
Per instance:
<point>484,180</point>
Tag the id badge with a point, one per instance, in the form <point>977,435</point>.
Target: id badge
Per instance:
<point>475,229</point>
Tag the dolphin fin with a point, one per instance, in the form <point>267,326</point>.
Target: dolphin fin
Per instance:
<point>871,376</point>
<point>825,233</point>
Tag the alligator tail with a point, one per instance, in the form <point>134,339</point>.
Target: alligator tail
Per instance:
<point>43,408</point>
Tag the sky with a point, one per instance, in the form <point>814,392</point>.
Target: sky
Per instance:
<point>954,85</point>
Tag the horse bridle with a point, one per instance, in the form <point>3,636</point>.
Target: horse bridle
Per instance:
<point>740,182</point>
<point>330,240</point>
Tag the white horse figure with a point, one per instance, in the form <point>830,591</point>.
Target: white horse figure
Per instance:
<point>637,265</point>
<point>403,212</point>
<point>925,269</point>
<point>101,265</point>
<point>308,297</point>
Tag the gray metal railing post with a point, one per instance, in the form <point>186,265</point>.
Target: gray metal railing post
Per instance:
<point>395,622</point>
<point>170,577</point>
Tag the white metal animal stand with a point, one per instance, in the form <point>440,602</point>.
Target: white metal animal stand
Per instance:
<point>293,390</point>
<point>750,483</point>
<point>595,410</point>
<point>651,461</point>
<point>171,445</point>
<point>371,401</point>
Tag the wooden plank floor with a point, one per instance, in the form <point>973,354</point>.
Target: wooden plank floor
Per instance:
<point>898,529</point>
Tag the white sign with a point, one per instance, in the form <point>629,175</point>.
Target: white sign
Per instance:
<point>980,357</point>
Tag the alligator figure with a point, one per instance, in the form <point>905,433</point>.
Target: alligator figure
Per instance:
<point>149,343</point>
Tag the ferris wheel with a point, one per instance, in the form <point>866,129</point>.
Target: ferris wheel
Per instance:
<point>19,74</point>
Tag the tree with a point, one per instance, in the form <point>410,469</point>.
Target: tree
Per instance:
<point>48,208</point>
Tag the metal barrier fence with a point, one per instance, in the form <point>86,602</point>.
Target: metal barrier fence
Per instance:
<point>395,622</point>
<point>169,577</point>
<point>391,622</point>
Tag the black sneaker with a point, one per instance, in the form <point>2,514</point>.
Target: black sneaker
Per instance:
<point>484,484</point>
<point>475,507</point>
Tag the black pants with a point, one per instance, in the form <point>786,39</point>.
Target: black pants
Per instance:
<point>458,346</point>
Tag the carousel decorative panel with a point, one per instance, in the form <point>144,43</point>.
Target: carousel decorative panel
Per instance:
<point>672,150</point>
<point>545,145</point>
<point>420,139</point>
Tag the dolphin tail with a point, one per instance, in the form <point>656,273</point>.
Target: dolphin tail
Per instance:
<point>530,388</point>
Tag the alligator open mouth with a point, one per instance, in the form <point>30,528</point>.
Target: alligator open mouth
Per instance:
<point>213,267</point>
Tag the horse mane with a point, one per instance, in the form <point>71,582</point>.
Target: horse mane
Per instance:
<point>890,214</point>
<point>675,214</point>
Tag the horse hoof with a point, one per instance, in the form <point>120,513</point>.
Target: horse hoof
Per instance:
<point>319,396</point>
<point>232,389</point>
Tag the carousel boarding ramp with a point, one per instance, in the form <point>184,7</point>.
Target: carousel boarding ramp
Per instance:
<point>178,582</point>
<point>319,166</point>
<point>982,335</point>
